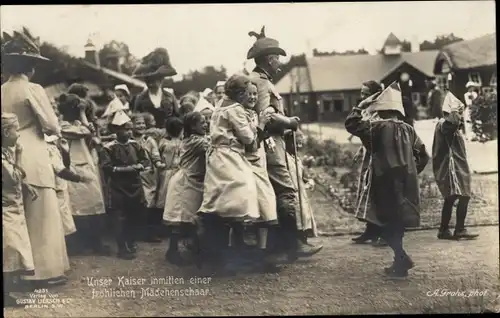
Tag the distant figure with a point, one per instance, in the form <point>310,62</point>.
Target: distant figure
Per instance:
<point>469,97</point>
<point>434,100</point>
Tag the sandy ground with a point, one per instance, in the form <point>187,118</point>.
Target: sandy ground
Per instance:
<point>342,279</point>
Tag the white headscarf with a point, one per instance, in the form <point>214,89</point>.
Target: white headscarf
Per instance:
<point>203,104</point>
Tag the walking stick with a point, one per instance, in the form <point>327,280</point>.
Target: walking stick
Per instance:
<point>298,178</point>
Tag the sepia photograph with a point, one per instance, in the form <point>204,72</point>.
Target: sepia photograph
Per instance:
<point>249,159</point>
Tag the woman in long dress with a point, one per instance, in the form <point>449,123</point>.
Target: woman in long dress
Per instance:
<point>35,114</point>
<point>230,192</point>
<point>87,200</point>
<point>17,255</point>
<point>256,155</point>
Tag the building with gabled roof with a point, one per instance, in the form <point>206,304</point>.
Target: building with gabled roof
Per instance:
<point>473,60</point>
<point>329,86</point>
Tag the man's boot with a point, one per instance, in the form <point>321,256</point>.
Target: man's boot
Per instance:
<point>445,234</point>
<point>464,234</point>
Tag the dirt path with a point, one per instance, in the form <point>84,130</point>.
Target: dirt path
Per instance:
<point>342,279</point>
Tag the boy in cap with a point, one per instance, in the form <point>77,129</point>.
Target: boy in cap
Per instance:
<point>123,160</point>
<point>397,156</point>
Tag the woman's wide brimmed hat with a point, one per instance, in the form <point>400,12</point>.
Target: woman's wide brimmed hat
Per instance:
<point>264,45</point>
<point>155,64</point>
<point>22,47</point>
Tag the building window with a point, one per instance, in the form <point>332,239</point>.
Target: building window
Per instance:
<point>416,98</point>
<point>475,77</point>
<point>327,106</point>
<point>493,81</point>
<point>338,105</point>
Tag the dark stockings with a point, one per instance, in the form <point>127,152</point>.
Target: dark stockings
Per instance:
<point>463,203</point>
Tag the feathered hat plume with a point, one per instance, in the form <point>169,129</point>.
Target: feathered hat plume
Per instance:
<point>263,45</point>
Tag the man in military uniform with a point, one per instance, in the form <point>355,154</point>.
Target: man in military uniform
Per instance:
<point>266,52</point>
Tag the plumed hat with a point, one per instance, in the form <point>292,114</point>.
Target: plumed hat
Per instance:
<point>23,46</point>
<point>450,103</point>
<point>264,45</point>
<point>155,64</point>
<point>389,99</point>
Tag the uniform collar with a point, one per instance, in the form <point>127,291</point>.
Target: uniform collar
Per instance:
<point>263,73</point>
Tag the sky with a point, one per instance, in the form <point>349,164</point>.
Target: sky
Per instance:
<point>197,35</point>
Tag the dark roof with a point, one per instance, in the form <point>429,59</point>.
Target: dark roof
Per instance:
<point>119,76</point>
<point>348,72</point>
<point>481,51</point>
<point>392,40</point>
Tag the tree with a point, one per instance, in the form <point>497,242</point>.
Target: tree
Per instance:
<point>405,46</point>
<point>439,42</point>
<point>348,52</point>
<point>484,116</point>
<point>197,80</point>
<point>116,55</point>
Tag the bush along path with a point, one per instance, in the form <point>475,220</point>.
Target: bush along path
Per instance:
<point>336,175</point>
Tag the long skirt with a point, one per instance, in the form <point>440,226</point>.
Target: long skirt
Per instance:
<point>17,254</point>
<point>149,183</point>
<point>305,219</point>
<point>184,197</point>
<point>46,234</point>
<point>86,198</point>
<point>364,208</point>
<point>65,209</point>
<point>164,178</point>
<point>230,190</point>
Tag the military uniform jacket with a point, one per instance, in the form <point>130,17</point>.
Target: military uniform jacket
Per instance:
<point>269,97</point>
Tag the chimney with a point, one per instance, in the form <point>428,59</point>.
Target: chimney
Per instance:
<point>415,45</point>
<point>91,54</point>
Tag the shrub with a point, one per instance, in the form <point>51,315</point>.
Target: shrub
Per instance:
<point>327,153</point>
<point>483,114</point>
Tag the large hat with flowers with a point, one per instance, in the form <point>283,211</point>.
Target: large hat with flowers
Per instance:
<point>264,45</point>
<point>21,46</point>
<point>155,64</point>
